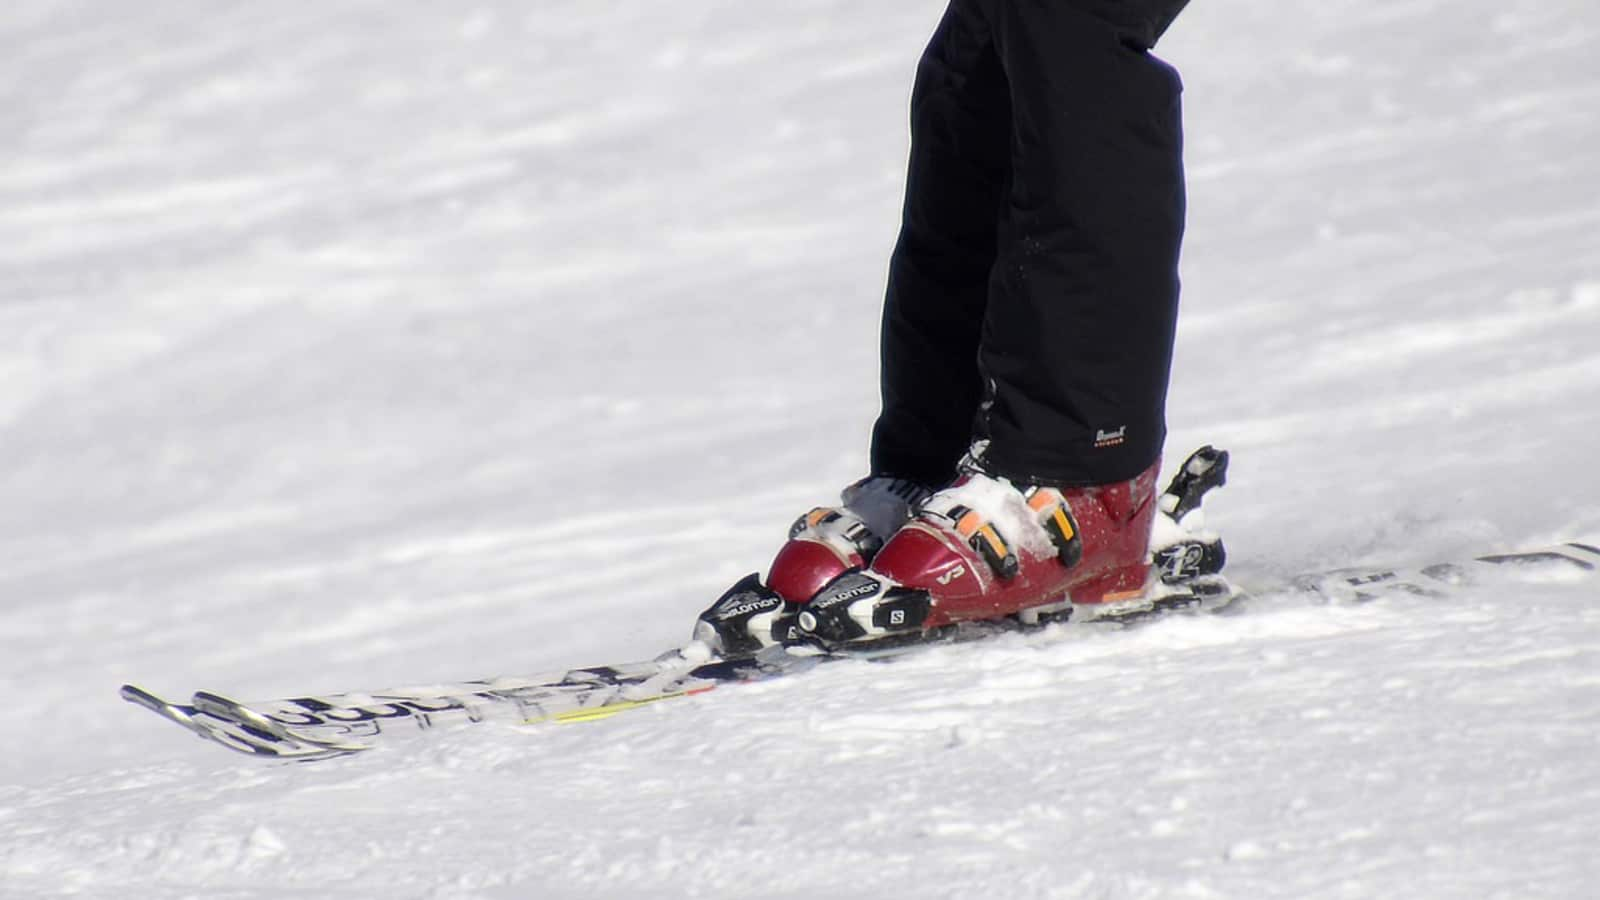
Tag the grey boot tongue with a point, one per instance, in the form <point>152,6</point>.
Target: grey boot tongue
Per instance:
<point>884,504</point>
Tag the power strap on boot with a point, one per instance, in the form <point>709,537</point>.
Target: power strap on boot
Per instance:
<point>1056,518</point>
<point>983,537</point>
<point>834,526</point>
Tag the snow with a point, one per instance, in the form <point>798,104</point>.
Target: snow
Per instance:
<point>354,345</point>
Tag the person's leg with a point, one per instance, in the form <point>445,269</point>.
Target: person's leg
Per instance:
<point>1056,510</point>
<point>1077,337</point>
<point>956,185</point>
<point>1036,271</point>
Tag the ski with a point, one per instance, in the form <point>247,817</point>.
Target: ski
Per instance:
<point>1362,585</point>
<point>316,727</point>
<point>324,726</point>
<point>750,634</point>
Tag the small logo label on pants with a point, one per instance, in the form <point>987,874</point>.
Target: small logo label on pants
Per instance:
<point>1103,438</point>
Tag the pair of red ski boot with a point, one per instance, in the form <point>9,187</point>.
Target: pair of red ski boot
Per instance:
<point>897,560</point>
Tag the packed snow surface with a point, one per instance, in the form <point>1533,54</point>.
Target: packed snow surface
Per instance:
<point>352,344</point>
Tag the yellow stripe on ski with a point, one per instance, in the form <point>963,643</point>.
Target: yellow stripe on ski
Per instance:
<point>610,709</point>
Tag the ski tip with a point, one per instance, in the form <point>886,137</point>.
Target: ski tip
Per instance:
<point>1582,556</point>
<point>218,706</point>
<point>1587,547</point>
<point>166,709</point>
<point>239,736</point>
<point>135,694</point>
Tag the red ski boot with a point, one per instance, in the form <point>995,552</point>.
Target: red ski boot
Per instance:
<point>986,548</point>
<point>823,545</point>
<point>831,540</point>
<point>982,549</point>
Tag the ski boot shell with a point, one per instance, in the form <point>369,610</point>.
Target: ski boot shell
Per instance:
<point>982,551</point>
<point>986,549</point>
<point>829,541</point>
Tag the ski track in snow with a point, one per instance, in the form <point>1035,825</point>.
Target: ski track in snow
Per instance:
<point>360,345</point>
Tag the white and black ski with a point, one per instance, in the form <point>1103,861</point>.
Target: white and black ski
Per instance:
<point>748,635</point>
<point>322,726</point>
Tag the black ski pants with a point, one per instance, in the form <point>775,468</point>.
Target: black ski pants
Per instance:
<point>1033,291</point>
